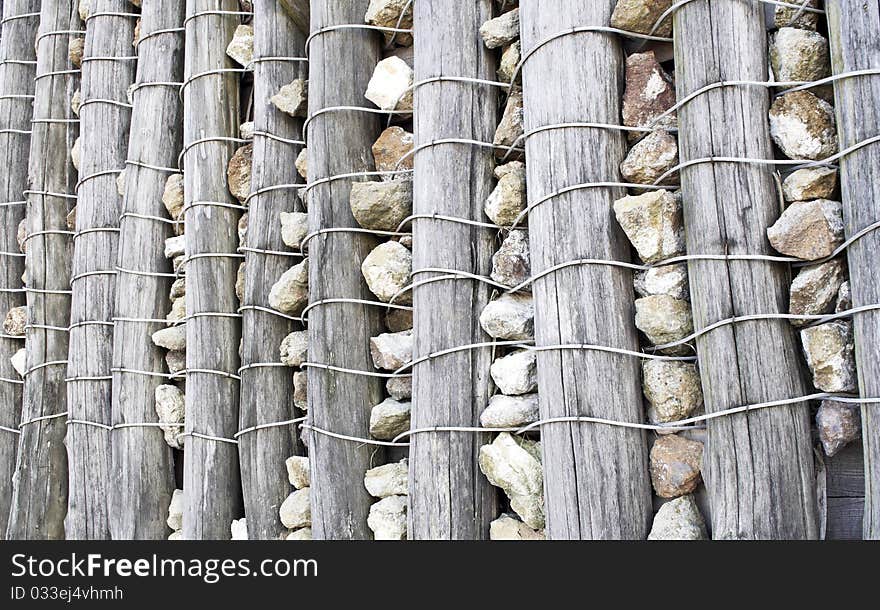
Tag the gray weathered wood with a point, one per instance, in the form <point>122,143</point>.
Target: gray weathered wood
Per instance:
<point>266,392</point>
<point>758,466</point>
<point>16,79</point>
<point>449,496</point>
<point>299,13</point>
<point>39,487</point>
<point>211,479</point>
<point>845,472</point>
<point>596,477</point>
<point>104,147</point>
<point>341,64</point>
<point>845,518</point>
<point>854,30</point>
<point>143,463</point>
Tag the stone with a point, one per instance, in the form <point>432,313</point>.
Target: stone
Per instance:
<point>298,471</point>
<point>814,290</point>
<point>175,360</point>
<point>294,228</point>
<point>381,206</point>
<point>295,348</point>
<point>400,388</point>
<point>296,510</point>
<point>501,30</point>
<point>75,48</point>
<point>649,92</point>
<point>120,184</point>
<point>15,321</point>
<point>510,411</point>
<point>242,229</point>
<point>300,391</point>
<point>844,298</point>
<point>293,98</point>
<point>785,16</point>
<point>640,16</point>
<point>671,280</point>
<point>679,519</point>
<point>239,281</point>
<point>302,163</point>
<point>808,230</point>
<point>387,480</point>
<point>241,47</point>
<point>304,533</point>
<point>507,527</point>
<point>76,102</point>
<point>21,235</point>
<point>397,320</point>
<point>390,87</point>
<point>829,351</point>
<point>664,319</point>
<point>238,173</point>
<point>71,219</point>
<point>839,424</point>
<point>675,465</point>
<point>810,183</point>
<point>672,388</point>
<point>387,270</point>
<point>650,158</point>
<point>175,511</point>
<point>75,152</point>
<point>653,223</point>
<point>389,418</point>
<point>803,126</point>
<point>390,351</point>
<point>510,59</point>
<point>175,246</point>
<point>510,128</point>
<point>238,529</point>
<point>246,130</point>
<point>508,199</point>
<point>510,317</point>
<point>393,145</point>
<point>290,294</point>
<point>178,311</point>
<point>387,518</point>
<point>84,8</point>
<point>171,409</point>
<point>799,55</point>
<point>172,338</point>
<point>19,361</point>
<point>172,196</point>
<point>387,14</point>
<point>514,465</point>
<point>176,536</point>
<point>511,264</point>
<point>516,373</point>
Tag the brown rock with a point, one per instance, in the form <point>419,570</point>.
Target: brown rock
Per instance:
<point>238,173</point>
<point>511,126</point>
<point>839,424</point>
<point>803,126</point>
<point>640,16</point>
<point>397,320</point>
<point>75,48</point>
<point>649,92</point>
<point>815,289</point>
<point>808,230</point>
<point>675,465</point>
<point>511,265</point>
<point>650,158</point>
<point>785,15</point>
<point>810,183</point>
<point>392,145</point>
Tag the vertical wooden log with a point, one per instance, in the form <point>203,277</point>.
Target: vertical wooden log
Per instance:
<point>17,71</point>
<point>39,487</point>
<point>758,466</point>
<point>340,65</point>
<point>595,477</point>
<point>298,10</point>
<point>211,480</point>
<point>449,496</point>
<point>854,33</point>
<point>143,463</point>
<point>266,392</point>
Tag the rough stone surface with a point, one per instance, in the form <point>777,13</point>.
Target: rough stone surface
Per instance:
<point>390,351</point>
<point>650,158</point>
<point>679,519</point>
<point>295,348</point>
<point>16,320</point>
<point>829,351</point>
<point>510,316</point>
<point>672,388</point>
<point>653,223</point>
<point>239,282</point>
<point>172,338</point>
<point>387,480</point>
<point>302,163</point>
<point>501,30</point>
<point>293,98</point>
<point>298,471</point>
<point>175,360</point>
<point>75,152</point>
<point>810,183</point>
<point>799,55</point>
<point>172,197</point>
<point>391,146</point>
<point>803,126</point>
<point>675,465</point>
<point>814,290</point>
<point>246,130</point>
<point>664,319</point>
<point>387,518</point>
<point>510,411</point>
<point>120,184</point>
<point>844,298</point>
<point>387,14</point>
<point>21,236</point>
<point>670,280</point>
<point>75,48</point>
<point>784,16</point>
<point>381,206</point>
<point>516,373</point>
<point>178,288</point>
<point>171,409</point>
<point>387,269</point>
<point>178,311</point>
<point>241,47</point>
<point>290,293</point>
<point>506,527</point>
<point>397,320</point>
<point>296,510</point>
<point>510,128</point>
<point>510,58</point>
<point>238,529</point>
<point>304,533</point>
<point>399,388</point>
<point>839,424</point>
<point>175,246</point>
<point>300,391</point>
<point>19,361</point>
<point>808,230</point>
<point>76,101</point>
<point>175,511</point>
<point>511,264</point>
<point>389,418</point>
<point>390,86</point>
<point>514,465</point>
<point>294,228</point>
<point>508,198</point>
<point>641,15</point>
<point>238,173</point>
<point>649,92</point>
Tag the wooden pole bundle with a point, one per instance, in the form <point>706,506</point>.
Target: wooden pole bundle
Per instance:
<point>854,32</point>
<point>143,463</point>
<point>39,490</point>
<point>298,10</point>
<point>449,497</point>
<point>17,69</point>
<point>340,65</point>
<point>595,477</point>
<point>266,392</point>
<point>211,480</point>
<point>758,466</point>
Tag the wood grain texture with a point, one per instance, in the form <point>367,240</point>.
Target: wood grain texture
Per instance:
<point>143,464</point>
<point>298,10</point>
<point>340,66</point>
<point>758,467</point>
<point>854,30</point>
<point>845,472</point>
<point>39,486</point>
<point>596,482</point>
<point>845,517</point>
<point>449,496</point>
<point>16,79</point>
<point>267,392</point>
<point>211,480</point>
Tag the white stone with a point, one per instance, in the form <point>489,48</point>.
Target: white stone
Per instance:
<point>175,511</point>
<point>664,320</point>
<point>510,411</point>
<point>508,199</point>
<point>671,280</point>
<point>502,30</point>
<point>241,47</point>
<point>238,529</point>
<point>510,316</point>
<point>19,361</point>
<point>290,294</point>
<point>506,527</point>
<point>829,351</point>
<point>172,338</point>
<point>653,223</point>
<point>295,348</point>
<point>296,510</point>
<point>171,409</point>
<point>390,351</point>
<point>810,183</point>
<point>390,86</point>
<point>387,518</point>
<point>387,480</point>
<point>516,373</point>
<point>294,228</point>
<point>514,465</point>
<point>304,533</point>
<point>389,418</point>
<point>387,270</point>
<point>298,471</point>
<point>672,388</point>
<point>175,246</point>
<point>808,230</point>
<point>678,519</point>
<point>293,98</point>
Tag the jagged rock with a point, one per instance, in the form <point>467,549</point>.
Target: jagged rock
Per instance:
<point>172,196</point>
<point>176,536</point>
<point>84,8</point>
<point>784,16</point>
<point>502,30</point>
<point>664,320</point>
<point>238,529</point>
<point>799,55</point>
<point>506,527</point>
<point>649,92</point>
<point>175,511</point>
<point>514,465</point>
<point>290,293</point>
<point>296,510</point>
<point>171,409</point>
<point>381,206</point>
<point>19,361</point>
<point>650,158</point>
<point>393,145</point>
<point>293,98</point>
<point>510,411</point>
<point>397,320</point>
<point>839,424</point>
<point>803,126</point>
<point>246,130</point>
<point>844,298</point>
<point>15,321</point>
<point>815,289</point>
<point>511,265</point>
<point>387,14</point>
<point>808,230</point>
<point>390,351</point>
<point>508,198</point>
<point>387,269</point>
<point>175,360</point>
<point>302,163</point>
<point>670,280</point>
<point>516,373</point>
<point>679,519</point>
<point>175,246</point>
<point>75,48</point>
<point>387,480</point>
<point>71,219</point>
<point>810,183</point>
<point>120,184</point>
<point>242,229</point>
<point>241,47</point>
<point>640,16</point>
<point>653,223</point>
<point>294,228</point>
<point>672,388</point>
<point>298,471</point>
<point>389,418</point>
<point>75,152</point>
<point>400,388</point>
<point>172,338</point>
<point>406,241</point>
<point>387,518</point>
<point>295,348</point>
<point>510,59</point>
<point>390,86</point>
<point>21,235</point>
<point>304,533</point>
<point>300,391</point>
<point>178,311</point>
<point>238,173</point>
<point>510,128</point>
<point>510,316</point>
<point>239,281</point>
<point>829,352</point>
<point>675,465</point>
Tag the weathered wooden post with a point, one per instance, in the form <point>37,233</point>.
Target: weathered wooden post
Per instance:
<point>211,481</point>
<point>758,466</point>
<point>298,10</point>
<point>39,487</point>
<point>21,19</point>
<point>854,32</point>
<point>595,477</point>
<point>143,463</point>
<point>449,496</point>
<point>267,391</point>
<point>340,65</point>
